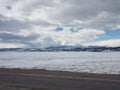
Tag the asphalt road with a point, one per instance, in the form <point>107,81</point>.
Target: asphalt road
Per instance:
<point>52,82</point>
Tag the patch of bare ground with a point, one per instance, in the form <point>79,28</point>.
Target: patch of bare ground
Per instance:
<point>11,87</point>
<point>60,73</point>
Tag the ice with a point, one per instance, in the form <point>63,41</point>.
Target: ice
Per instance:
<point>92,62</point>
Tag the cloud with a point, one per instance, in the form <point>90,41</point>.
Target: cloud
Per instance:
<point>89,13</point>
<point>66,37</point>
<point>78,21</point>
<point>11,45</point>
<point>112,43</point>
<point>96,14</point>
<point>18,39</point>
<point>13,26</point>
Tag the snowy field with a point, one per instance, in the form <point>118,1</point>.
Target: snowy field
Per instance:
<point>93,62</point>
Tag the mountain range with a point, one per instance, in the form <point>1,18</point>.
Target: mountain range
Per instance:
<point>63,48</point>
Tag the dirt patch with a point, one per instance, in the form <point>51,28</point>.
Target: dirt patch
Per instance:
<point>60,73</point>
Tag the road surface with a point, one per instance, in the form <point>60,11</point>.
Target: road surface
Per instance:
<point>52,82</point>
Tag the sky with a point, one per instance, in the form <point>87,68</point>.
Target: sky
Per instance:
<point>46,23</point>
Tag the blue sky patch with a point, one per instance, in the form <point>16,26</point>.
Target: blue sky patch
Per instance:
<point>75,29</point>
<point>110,34</point>
<point>59,29</point>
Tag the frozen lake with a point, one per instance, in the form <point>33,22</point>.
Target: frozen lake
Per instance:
<point>93,62</point>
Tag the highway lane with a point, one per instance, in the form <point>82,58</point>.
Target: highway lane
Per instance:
<point>52,82</point>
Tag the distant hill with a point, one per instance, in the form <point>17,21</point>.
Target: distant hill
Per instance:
<point>63,48</point>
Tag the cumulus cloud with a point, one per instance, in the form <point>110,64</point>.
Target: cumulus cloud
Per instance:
<point>68,37</point>
<point>43,23</point>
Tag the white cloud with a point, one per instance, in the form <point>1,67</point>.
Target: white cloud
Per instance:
<point>111,43</point>
<point>98,14</point>
<point>11,45</point>
<point>26,17</point>
<point>66,37</point>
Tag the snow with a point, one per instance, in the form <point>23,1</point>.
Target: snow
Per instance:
<point>92,62</point>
